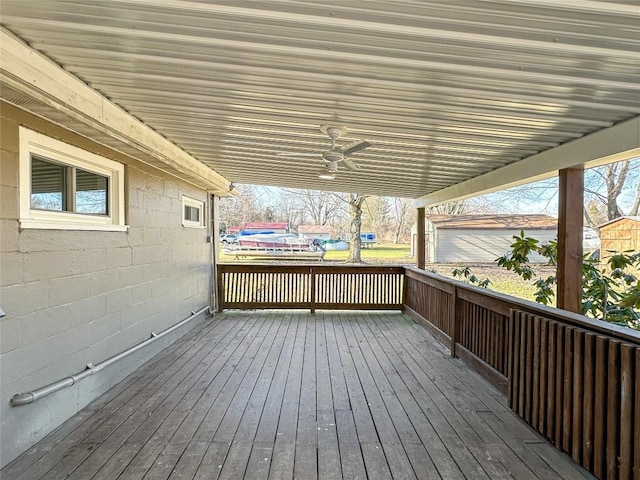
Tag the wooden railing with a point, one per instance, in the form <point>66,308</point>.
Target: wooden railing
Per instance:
<point>575,380</point>
<point>310,286</point>
<point>579,389</point>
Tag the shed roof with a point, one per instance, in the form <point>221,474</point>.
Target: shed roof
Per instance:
<point>633,218</point>
<point>261,225</point>
<point>529,222</point>
<point>314,229</point>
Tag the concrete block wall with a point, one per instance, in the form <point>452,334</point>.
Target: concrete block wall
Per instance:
<point>73,297</point>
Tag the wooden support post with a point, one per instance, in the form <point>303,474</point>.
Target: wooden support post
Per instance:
<point>570,221</point>
<point>214,229</point>
<point>420,239</point>
<point>221,290</point>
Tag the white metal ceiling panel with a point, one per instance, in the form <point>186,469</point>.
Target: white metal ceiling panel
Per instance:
<point>444,91</point>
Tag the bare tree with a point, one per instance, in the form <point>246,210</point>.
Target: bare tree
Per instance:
<point>605,185</point>
<point>635,208</point>
<point>239,209</point>
<point>375,217</point>
<point>610,191</point>
<point>288,209</point>
<point>316,206</point>
<point>355,212</point>
<point>457,207</point>
<point>543,194</point>
<point>401,214</point>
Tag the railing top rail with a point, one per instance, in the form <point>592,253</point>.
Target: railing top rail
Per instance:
<point>318,268</point>
<point>502,301</point>
<point>258,268</point>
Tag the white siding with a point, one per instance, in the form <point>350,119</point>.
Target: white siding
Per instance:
<point>481,246</point>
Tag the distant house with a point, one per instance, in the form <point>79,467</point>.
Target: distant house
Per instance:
<point>257,227</point>
<point>481,238</point>
<point>321,232</point>
<point>619,235</point>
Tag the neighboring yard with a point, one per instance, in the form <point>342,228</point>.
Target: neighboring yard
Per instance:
<point>502,280</point>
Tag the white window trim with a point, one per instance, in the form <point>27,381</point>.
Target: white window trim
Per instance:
<point>191,202</point>
<point>34,143</point>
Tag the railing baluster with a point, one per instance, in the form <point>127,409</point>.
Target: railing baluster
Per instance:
<point>613,409</point>
<point>567,411</point>
<point>588,400</point>
<point>559,390</point>
<point>313,286</point>
<point>455,321</point>
<point>578,395</point>
<point>599,423</point>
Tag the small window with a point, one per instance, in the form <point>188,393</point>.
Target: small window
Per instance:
<point>65,187</point>
<point>192,213</point>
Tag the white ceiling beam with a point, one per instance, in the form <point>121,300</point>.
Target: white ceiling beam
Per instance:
<point>613,144</point>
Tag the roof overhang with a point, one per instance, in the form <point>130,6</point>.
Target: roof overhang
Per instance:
<point>457,98</point>
<point>30,80</point>
<point>613,144</point>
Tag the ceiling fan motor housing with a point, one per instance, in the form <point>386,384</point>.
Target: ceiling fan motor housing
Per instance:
<point>333,131</point>
<point>332,156</point>
<point>332,167</point>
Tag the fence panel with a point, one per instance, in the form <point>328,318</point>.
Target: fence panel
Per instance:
<point>580,390</point>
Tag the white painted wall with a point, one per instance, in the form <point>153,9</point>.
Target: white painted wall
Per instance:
<point>481,245</point>
<point>73,297</point>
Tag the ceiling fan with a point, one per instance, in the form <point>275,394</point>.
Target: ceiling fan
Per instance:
<point>336,153</point>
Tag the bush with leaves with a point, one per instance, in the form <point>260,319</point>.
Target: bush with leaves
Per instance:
<point>465,275</point>
<point>611,294</point>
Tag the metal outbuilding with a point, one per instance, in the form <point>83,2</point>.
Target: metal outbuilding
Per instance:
<point>482,238</point>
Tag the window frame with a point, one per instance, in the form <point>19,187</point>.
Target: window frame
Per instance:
<point>192,202</point>
<point>34,144</point>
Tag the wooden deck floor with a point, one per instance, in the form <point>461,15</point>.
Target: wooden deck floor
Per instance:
<point>293,395</point>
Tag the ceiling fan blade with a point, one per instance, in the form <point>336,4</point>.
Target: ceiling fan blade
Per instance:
<point>355,147</point>
<point>291,154</point>
<point>350,164</point>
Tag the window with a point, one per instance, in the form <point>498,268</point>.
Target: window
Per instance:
<point>65,187</point>
<point>192,213</point>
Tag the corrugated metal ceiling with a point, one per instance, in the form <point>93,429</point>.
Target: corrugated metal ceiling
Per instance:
<point>445,91</point>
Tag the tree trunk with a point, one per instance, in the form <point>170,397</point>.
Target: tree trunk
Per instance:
<point>396,234</point>
<point>614,186</point>
<point>636,204</point>
<point>355,211</point>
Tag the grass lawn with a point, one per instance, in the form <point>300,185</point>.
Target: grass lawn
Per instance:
<point>501,280</point>
<point>379,253</point>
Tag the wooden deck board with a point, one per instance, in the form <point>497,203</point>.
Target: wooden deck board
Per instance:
<point>260,395</point>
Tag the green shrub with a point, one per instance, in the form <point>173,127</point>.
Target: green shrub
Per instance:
<point>611,294</point>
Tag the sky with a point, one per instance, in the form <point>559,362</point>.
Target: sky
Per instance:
<point>542,196</point>
<point>538,197</point>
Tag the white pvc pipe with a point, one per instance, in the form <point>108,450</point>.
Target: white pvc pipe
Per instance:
<point>29,397</point>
